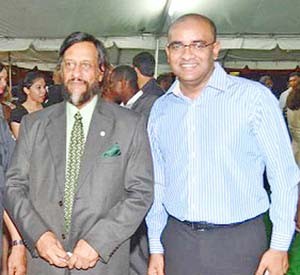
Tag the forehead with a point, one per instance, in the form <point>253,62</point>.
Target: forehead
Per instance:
<point>82,51</point>
<point>293,78</point>
<point>3,72</point>
<point>190,29</point>
<point>38,81</point>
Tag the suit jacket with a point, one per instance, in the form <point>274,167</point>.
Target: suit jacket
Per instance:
<point>152,88</point>
<point>144,104</point>
<point>113,193</point>
<point>6,149</point>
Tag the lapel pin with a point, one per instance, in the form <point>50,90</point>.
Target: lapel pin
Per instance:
<point>102,133</point>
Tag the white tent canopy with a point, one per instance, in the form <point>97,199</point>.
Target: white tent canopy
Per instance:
<point>258,33</point>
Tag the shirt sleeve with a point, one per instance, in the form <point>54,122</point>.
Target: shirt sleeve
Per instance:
<point>283,174</point>
<point>156,218</point>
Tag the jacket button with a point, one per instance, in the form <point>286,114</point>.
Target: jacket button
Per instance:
<point>63,236</point>
<point>60,203</point>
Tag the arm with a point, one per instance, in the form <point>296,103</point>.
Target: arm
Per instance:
<point>32,226</point>
<point>157,217</point>
<point>15,129</point>
<point>124,218</point>
<point>17,262</point>
<point>283,175</point>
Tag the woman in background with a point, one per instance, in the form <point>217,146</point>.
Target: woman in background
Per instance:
<point>34,87</point>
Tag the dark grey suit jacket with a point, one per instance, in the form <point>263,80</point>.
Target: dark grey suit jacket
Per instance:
<point>7,144</point>
<point>144,104</point>
<point>113,193</point>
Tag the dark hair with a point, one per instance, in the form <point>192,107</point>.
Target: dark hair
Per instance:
<point>30,78</point>
<point>294,74</point>
<point>293,99</point>
<point>77,37</point>
<point>27,82</point>
<point>198,17</point>
<point>127,73</point>
<point>145,62</point>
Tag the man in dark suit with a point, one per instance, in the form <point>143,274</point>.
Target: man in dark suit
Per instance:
<point>124,88</point>
<point>144,65</point>
<point>80,182</point>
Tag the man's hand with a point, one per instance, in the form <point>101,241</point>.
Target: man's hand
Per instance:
<point>156,264</point>
<point>275,261</point>
<point>83,257</point>
<point>51,250</point>
<point>17,263</point>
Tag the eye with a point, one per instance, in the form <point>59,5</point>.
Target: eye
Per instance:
<point>198,45</point>
<point>176,46</point>
<point>69,64</point>
<point>86,66</point>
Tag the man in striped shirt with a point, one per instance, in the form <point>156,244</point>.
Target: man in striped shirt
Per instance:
<point>212,135</point>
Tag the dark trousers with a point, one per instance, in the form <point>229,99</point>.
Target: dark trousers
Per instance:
<point>139,251</point>
<point>221,251</point>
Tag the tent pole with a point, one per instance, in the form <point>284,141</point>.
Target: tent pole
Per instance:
<point>9,72</point>
<point>156,57</point>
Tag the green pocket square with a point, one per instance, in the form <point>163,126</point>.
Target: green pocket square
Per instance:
<point>113,151</point>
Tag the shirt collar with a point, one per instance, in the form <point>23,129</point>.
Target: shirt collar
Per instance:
<point>133,99</point>
<point>217,81</point>
<point>86,111</point>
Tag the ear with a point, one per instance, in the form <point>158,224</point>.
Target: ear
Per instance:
<point>100,75</point>
<point>168,53</point>
<point>26,91</point>
<point>216,49</point>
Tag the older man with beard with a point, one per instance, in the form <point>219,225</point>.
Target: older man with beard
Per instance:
<point>80,182</point>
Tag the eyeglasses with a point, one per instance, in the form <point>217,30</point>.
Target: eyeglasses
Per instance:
<point>70,65</point>
<point>195,46</point>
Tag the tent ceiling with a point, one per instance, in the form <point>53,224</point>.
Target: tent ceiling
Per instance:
<point>257,32</point>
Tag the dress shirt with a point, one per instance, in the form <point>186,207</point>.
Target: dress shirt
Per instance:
<point>210,154</point>
<point>283,97</point>
<point>86,113</point>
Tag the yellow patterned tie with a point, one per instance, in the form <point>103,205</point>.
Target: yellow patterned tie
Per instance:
<point>76,148</point>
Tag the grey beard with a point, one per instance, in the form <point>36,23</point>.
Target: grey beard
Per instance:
<point>94,89</point>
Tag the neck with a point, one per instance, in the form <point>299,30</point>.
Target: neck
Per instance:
<point>32,106</point>
<point>142,80</point>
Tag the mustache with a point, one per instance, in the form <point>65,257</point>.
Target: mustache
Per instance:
<point>76,79</point>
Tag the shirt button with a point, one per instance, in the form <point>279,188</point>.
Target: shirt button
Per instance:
<point>63,236</point>
<point>60,203</point>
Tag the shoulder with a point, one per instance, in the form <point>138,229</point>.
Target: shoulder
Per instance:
<point>17,114</point>
<point>118,113</point>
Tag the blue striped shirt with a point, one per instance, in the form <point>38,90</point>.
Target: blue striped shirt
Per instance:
<point>210,154</point>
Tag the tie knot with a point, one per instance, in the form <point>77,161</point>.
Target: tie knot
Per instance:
<point>78,116</point>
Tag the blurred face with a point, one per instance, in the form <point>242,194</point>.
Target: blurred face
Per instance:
<point>3,81</point>
<point>115,88</point>
<point>191,52</point>
<point>37,91</point>
<point>80,72</point>
<point>293,81</point>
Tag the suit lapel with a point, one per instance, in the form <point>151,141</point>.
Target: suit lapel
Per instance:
<point>99,136</point>
<point>56,134</point>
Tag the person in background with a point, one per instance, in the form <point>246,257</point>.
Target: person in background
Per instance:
<point>123,84</point>
<point>165,80</point>
<point>34,87</point>
<point>6,106</point>
<point>16,264</point>
<point>144,65</point>
<point>293,81</point>
<point>211,136</point>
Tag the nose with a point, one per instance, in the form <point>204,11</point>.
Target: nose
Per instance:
<point>187,51</point>
<point>76,72</point>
